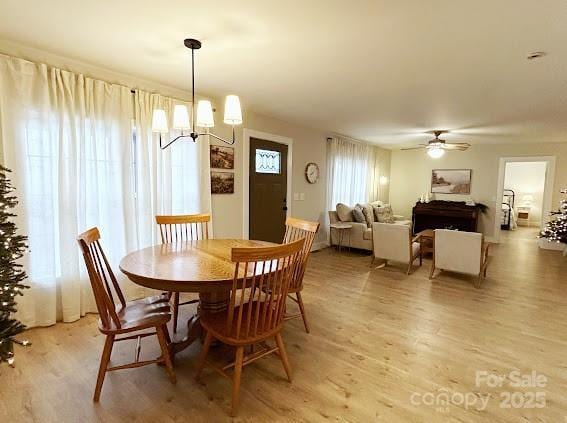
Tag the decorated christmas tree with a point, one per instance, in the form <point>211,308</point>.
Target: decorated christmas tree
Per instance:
<point>556,229</point>
<point>12,275</point>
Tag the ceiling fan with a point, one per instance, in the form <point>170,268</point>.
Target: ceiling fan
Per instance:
<point>436,147</point>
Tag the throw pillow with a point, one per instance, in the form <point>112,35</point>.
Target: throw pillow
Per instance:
<point>384,214</point>
<point>358,215</point>
<point>376,211</point>
<point>368,213</point>
<point>377,203</point>
<point>344,212</point>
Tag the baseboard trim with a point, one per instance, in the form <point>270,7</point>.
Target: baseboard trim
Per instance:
<point>319,245</point>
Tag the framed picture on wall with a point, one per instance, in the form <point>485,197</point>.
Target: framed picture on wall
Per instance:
<point>222,157</point>
<point>222,183</point>
<point>451,181</point>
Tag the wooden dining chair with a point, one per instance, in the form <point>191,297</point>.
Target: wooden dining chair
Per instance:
<point>256,309</point>
<point>119,318</point>
<point>181,228</point>
<point>299,229</point>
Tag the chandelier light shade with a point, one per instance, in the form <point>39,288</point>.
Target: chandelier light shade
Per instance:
<point>204,117</point>
<point>435,152</point>
<point>232,111</point>
<point>181,118</point>
<point>159,122</point>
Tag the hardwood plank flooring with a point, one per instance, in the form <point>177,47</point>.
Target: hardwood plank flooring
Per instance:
<point>382,346</point>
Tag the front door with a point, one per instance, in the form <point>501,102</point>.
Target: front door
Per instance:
<point>268,190</point>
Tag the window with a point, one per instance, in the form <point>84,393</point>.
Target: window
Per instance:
<point>268,161</point>
<point>352,170</point>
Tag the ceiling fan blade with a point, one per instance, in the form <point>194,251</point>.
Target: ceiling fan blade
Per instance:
<point>456,146</point>
<point>419,147</point>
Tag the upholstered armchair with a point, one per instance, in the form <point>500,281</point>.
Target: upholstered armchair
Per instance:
<point>394,242</point>
<point>461,252</point>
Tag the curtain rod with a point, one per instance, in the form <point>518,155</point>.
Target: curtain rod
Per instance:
<point>352,139</point>
<point>133,91</point>
<point>84,74</point>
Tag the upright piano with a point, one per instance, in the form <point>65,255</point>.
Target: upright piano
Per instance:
<point>439,214</point>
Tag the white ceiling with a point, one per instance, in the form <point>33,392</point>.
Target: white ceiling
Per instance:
<point>378,70</point>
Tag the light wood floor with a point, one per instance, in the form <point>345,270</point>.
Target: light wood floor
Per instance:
<point>378,337</point>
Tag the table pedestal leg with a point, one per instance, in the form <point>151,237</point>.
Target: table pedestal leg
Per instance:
<point>209,302</point>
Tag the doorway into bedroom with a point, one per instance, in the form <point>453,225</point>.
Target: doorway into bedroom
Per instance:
<point>525,199</point>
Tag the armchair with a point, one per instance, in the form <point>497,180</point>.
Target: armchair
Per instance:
<point>461,252</point>
<point>394,242</point>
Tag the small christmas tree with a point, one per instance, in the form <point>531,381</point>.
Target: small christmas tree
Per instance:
<point>12,248</point>
<point>556,229</point>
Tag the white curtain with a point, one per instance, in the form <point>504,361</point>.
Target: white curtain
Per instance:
<point>83,155</point>
<point>171,181</point>
<point>352,172</point>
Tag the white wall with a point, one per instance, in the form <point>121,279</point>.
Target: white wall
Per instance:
<point>309,145</point>
<point>527,178</point>
<point>411,174</point>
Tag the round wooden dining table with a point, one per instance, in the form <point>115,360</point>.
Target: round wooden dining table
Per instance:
<point>202,266</point>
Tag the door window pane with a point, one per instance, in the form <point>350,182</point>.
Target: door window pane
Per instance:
<point>268,161</point>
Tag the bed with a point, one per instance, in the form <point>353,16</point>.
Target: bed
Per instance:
<point>508,221</point>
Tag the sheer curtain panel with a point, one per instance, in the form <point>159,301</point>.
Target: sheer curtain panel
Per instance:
<point>351,168</point>
<point>83,155</point>
<point>65,138</point>
<point>171,181</point>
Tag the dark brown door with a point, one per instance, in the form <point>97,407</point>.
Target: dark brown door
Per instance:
<point>268,190</point>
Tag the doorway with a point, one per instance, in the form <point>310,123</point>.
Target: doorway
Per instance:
<point>525,191</point>
<point>267,186</point>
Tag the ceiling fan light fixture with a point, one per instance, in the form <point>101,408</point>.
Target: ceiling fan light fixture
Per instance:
<point>435,152</point>
<point>436,147</point>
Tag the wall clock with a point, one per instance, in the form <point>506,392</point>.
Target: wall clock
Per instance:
<point>312,173</point>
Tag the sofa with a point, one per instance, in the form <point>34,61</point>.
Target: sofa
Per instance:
<point>361,232</point>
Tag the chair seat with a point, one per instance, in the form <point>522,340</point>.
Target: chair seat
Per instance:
<point>159,298</point>
<point>141,314</point>
<point>216,323</point>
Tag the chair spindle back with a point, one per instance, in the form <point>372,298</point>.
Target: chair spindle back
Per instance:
<point>259,288</point>
<point>102,278</point>
<point>300,229</point>
<point>189,227</point>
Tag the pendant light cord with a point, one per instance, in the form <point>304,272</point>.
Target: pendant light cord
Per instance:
<point>193,92</point>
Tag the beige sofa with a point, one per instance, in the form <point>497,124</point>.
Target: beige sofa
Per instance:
<point>360,233</point>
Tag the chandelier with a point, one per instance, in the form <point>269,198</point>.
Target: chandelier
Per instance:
<point>204,118</point>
